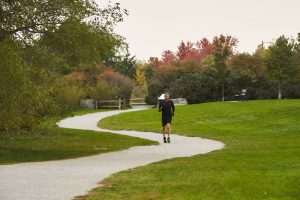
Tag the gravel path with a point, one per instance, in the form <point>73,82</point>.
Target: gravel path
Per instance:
<point>65,179</point>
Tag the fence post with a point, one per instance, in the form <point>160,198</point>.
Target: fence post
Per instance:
<point>119,105</point>
<point>96,103</point>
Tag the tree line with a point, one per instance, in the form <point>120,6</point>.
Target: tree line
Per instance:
<point>206,71</point>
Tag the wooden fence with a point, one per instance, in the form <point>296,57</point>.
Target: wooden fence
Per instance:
<point>119,104</point>
<point>137,101</point>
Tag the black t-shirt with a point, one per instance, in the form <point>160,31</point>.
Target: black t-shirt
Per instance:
<point>167,108</point>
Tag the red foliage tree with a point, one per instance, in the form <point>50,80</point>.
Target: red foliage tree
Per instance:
<point>168,56</point>
<point>205,47</point>
<point>106,74</point>
<point>187,51</point>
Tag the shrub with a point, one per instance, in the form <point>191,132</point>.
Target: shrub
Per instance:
<point>19,95</point>
<point>102,91</point>
<point>68,96</point>
<point>123,84</point>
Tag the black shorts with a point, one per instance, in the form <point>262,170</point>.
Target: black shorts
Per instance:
<point>166,119</point>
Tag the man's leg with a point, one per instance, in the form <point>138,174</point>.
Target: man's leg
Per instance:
<point>168,131</point>
<point>164,133</point>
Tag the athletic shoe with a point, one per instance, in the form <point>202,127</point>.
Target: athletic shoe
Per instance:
<point>165,140</point>
<point>169,140</point>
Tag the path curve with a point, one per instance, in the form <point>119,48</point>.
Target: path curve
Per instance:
<point>65,179</point>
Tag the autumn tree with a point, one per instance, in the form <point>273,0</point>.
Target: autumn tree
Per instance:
<point>154,62</point>
<point>279,62</point>
<point>140,78</point>
<point>123,83</point>
<point>204,47</point>
<point>187,51</point>
<point>168,56</point>
<point>222,48</point>
<point>140,89</point>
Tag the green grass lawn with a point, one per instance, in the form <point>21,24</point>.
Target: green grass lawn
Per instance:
<point>53,143</point>
<point>261,159</point>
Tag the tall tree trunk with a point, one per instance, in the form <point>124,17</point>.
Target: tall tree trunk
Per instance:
<point>223,91</point>
<point>279,89</point>
<point>223,85</point>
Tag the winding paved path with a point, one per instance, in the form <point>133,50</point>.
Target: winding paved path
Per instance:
<point>65,179</point>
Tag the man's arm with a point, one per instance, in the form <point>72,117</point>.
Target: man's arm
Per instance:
<point>160,106</point>
<point>173,108</point>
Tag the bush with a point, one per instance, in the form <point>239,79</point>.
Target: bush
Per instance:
<point>19,96</point>
<point>291,90</point>
<point>185,79</point>
<point>102,91</point>
<point>123,84</point>
<point>68,96</point>
<point>200,86</point>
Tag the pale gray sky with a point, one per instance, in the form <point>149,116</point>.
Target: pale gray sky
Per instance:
<point>156,25</point>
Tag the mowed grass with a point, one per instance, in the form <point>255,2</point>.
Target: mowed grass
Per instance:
<point>261,159</point>
<point>53,143</point>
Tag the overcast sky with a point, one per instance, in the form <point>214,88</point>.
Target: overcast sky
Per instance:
<point>156,25</point>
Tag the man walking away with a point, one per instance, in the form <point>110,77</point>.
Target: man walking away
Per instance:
<point>167,108</point>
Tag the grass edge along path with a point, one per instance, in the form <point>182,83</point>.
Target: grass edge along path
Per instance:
<point>261,159</point>
<point>53,143</point>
